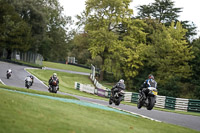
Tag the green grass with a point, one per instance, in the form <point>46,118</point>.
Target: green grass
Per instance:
<point>65,67</point>
<point>21,113</point>
<point>36,92</point>
<point>67,81</point>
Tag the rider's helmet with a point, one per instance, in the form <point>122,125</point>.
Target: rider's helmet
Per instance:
<point>151,76</point>
<point>54,75</point>
<point>121,81</point>
<point>31,76</point>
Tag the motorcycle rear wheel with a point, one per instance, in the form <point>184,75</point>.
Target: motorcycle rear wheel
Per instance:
<point>110,101</point>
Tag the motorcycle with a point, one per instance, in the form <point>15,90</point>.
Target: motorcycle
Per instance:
<point>54,87</point>
<point>28,84</point>
<point>8,75</point>
<point>150,100</point>
<point>117,98</point>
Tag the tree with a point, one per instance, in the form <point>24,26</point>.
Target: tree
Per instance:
<point>14,32</point>
<point>164,12</point>
<point>80,48</point>
<point>171,54</point>
<point>103,19</point>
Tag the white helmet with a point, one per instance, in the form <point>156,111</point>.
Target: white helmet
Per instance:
<point>121,81</point>
<point>54,75</point>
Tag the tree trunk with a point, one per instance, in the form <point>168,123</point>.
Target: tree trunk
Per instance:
<point>102,70</point>
<point>101,75</point>
<point>9,52</point>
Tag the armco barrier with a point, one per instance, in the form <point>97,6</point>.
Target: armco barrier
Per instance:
<point>181,104</point>
<point>170,102</point>
<point>107,93</point>
<point>135,97</point>
<point>160,101</point>
<point>101,92</point>
<point>77,85</point>
<point>194,105</point>
<point>127,96</point>
<point>87,88</point>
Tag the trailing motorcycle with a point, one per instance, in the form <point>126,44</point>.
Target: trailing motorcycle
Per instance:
<point>150,99</point>
<point>117,98</point>
<point>8,75</point>
<point>53,88</point>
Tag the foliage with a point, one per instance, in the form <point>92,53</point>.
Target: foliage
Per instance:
<point>114,36</point>
<point>171,53</point>
<point>164,12</point>
<point>14,32</point>
<point>80,48</point>
<point>35,25</point>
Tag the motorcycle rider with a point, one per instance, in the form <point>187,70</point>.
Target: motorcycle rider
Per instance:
<point>54,78</point>
<point>9,71</point>
<point>150,82</point>
<point>28,79</point>
<point>32,78</point>
<point>118,87</point>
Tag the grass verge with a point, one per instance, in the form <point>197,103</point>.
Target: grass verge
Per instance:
<point>65,67</point>
<point>36,92</point>
<point>21,113</point>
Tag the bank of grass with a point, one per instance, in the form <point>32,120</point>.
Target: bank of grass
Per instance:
<point>36,92</point>
<point>21,113</point>
<point>67,81</point>
<point>65,67</point>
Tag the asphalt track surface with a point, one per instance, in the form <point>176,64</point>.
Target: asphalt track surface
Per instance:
<point>19,74</point>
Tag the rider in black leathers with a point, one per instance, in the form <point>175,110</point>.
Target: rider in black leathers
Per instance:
<point>54,78</point>
<point>118,87</point>
<point>150,82</point>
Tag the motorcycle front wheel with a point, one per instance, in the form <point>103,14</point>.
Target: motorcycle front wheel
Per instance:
<point>151,103</point>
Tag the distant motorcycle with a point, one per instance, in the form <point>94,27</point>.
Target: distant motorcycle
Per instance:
<point>150,100</point>
<point>8,75</point>
<point>53,88</point>
<point>28,84</point>
<point>117,98</point>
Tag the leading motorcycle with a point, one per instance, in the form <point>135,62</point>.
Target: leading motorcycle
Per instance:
<point>117,98</point>
<point>150,100</point>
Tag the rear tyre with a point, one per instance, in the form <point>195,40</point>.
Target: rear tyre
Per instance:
<point>110,101</point>
<point>151,103</point>
<point>117,102</point>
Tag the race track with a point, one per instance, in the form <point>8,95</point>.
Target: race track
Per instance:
<point>19,75</point>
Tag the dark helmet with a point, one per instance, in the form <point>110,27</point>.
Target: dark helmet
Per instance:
<point>31,76</point>
<point>151,76</point>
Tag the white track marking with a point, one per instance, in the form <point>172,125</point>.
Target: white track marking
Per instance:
<point>2,82</point>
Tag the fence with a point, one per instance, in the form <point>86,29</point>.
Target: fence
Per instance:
<point>30,57</point>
